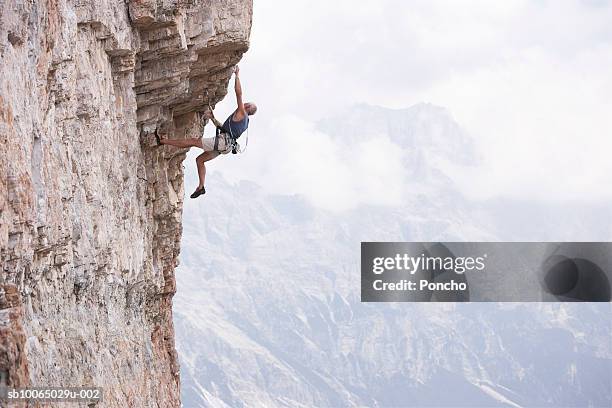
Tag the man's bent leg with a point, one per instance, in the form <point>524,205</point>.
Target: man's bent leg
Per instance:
<point>200,160</point>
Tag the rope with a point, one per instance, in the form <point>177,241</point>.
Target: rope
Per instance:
<point>246,142</point>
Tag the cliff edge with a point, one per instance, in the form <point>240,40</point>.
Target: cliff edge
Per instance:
<point>90,210</point>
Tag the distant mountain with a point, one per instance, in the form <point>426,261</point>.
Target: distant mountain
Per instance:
<point>268,312</point>
<point>423,128</point>
<point>427,137</point>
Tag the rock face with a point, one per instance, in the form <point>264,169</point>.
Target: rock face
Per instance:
<point>90,209</point>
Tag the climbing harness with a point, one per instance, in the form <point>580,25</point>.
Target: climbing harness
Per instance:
<point>228,141</point>
<point>231,144</point>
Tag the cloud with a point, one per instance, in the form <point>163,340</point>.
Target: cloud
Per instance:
<point>528,80</point>
<point>543,126</point>
<point>289,156</point>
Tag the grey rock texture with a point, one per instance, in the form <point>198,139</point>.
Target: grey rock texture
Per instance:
<point>90,209</point>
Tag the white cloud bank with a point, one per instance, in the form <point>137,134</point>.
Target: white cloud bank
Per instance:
<point>531,81</point>
<point>289,156</point>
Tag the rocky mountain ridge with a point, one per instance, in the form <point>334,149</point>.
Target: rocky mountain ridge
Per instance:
<point>90,209</point>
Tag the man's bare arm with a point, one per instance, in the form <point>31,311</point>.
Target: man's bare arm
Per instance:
<point>216,122</point>
<point>240,111</point>
<point>210,115</point>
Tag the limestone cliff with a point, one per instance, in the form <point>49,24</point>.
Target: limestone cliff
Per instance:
<point>90,209</point>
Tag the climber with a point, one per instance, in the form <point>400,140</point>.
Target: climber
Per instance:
<point>225,139</point>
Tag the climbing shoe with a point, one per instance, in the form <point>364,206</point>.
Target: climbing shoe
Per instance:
<point>198,192</point>
<point>157,138</point>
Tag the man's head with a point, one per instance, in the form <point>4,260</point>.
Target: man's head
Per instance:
<point>250,108</point>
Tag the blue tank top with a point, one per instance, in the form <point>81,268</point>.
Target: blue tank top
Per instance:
<point>235,129</point>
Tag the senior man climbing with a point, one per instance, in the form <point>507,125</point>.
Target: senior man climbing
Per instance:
<point>225,138</point>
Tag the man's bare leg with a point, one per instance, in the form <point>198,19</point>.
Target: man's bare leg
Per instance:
<point>189,142</point>
<point>200,160</point>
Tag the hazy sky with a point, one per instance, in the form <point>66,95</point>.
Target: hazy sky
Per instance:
<point>530,81</point>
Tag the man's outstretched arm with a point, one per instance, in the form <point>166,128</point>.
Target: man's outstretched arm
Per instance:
<point>240,111</point>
